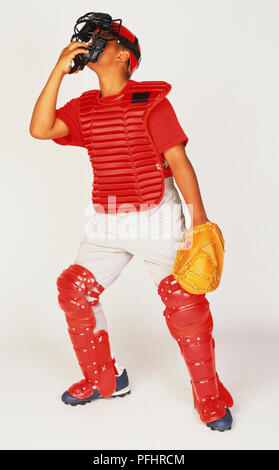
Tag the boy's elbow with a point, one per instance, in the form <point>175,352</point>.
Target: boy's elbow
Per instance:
<point>33,134</point>
<point>176,156</point>
<point>36,133</point>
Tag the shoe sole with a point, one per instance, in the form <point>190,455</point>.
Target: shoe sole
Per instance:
<point>217,429</point>
<point>121,394</point>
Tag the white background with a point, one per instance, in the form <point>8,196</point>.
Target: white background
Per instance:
<point>221,58</point>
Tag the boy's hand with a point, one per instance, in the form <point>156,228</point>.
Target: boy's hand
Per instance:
<point>64,63</point>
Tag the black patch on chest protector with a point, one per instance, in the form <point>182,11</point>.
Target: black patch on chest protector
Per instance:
<point>140,97</point>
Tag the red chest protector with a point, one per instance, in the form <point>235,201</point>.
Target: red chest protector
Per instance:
<point>129,173</point>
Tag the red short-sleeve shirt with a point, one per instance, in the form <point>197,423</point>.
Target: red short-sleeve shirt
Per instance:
<point>162,123</point>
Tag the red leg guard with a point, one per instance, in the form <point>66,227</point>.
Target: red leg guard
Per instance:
<point>189,320</point>
<point>92,351</point>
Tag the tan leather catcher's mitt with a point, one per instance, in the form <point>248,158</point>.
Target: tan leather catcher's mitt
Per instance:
<point>199,262</point>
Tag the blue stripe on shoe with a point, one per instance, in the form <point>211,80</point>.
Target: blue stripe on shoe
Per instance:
<point>122,381</point>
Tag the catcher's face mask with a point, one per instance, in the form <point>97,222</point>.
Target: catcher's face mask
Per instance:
<point>99,28</point>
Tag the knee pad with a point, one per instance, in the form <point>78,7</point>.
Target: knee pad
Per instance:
<point>185,313</point>
<point>73,284</point>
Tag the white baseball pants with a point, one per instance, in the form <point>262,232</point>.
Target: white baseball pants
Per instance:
<point>112,240</point>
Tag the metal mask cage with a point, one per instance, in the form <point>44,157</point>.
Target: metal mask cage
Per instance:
<point>92,21</point>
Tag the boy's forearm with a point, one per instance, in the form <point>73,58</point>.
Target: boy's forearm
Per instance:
<point>43,116</point>
<point>186,180</point>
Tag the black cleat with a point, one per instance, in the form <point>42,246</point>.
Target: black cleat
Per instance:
<point>222,424</point>
<point>122,389</point>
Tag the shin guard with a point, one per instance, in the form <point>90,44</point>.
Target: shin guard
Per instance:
<point>189,320</point>
<point>92,350</point>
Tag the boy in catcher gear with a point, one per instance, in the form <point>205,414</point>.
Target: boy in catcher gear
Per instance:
<point>136,148</point>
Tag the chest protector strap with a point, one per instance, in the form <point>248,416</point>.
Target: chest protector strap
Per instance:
<point>128,171</point>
